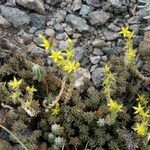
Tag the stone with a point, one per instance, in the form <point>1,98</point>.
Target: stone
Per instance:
<point>98,17</point>
<point>4,23</point>
<point>144,47</point>
<point>27,38</point>
<point>110,35</point>
<point>146,66</point>
<point>15,16</point>
<point>36,5</point>
<point>98,52</point>
<point>79,53</point>
<point>134,20</point>
<point>62,45</point>
<point>60,15</point>
<point>82,76</point>
<point>113,27</point>
<point>33,49</point>
<point>49,32</point>
<point>97,77</point>
<point>69,30</point>
<point>61,36</point>
<point>95,59</point>
<point>116,3</point>
<point>76,5</point>
<point>53,2</point>
<point>93,67</point>
<point>85,10</point>
<point>110,51</point>
<point>77,22</point>
<point>94,3</point>
<point>98,43</point>
<point>4,145</point>
<point>38,21</point>
<point>104,58</point>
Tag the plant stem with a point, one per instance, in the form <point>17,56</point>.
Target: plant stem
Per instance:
<point>15,137</point>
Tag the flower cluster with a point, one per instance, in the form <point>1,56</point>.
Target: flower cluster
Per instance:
<point>142,111</point>
<point>130,54</point>
<point>63,59</point>
<point>18,97</point>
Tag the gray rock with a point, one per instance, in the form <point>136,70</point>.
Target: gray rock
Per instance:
<point>15,16</point>
<point>104,58</point>
<point>109,35</point>
<point>76,5</point>
<point>98,17</point>
<point>60,15</point>
<point>58,27</point>
<point>110,51</point>
<point>49,32</point>
<point>32,30</point>
<point>97,76</point>
<point>98,43</point>
<point>53,2</point>
<point>85,10</point>
<point>61,36</point>
<point>79,53</point>
<point>69,30</point>
<point>134,20</point>
<point>38,21</point>
<point>94,3</point>
<point>77,22</point>
<point>93,67</point>
<point>4,23</point>
<point>27,38</point>
<point>11,3</point>
<point>113,27</point>
<point>62,45</point>
<point>95,59</point>
<point>82,76</point>
<point>98,52</point>
<point>146,66</point>
<point>37,5</point>
<point>116,3</point>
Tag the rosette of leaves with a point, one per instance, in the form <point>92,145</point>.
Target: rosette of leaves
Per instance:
<point>38,72</point>
<point>145,4</point>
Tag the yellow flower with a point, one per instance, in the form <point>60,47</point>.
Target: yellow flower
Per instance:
<point>56,109</point>
<point>130,56</point>
<point>69,54</point>
<point>145,114</point>
<point>114,106</point>
<point>46,44</point>
<point>70,43</point>
<point>139,109</point>
<point>126,33</point>
<point>56,55</point>
<point>15,83</point>
<point>15,96</point>
<point>141,128</point>
<point>142,99</point>
<point>31,89</point>
<point>71,66</point>
<point>106,69</point>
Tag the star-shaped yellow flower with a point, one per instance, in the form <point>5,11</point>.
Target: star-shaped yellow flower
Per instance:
<point>126,33</point>
<point>106,69</point>
<point>56,56</point>
<point>56,109</point>
<point>145,114</point>
<point>31,89</point>
<point>114,106</point>
<point>15,83</point>
<point>71,66</point>
<point>141,128</point>
<point>139,109</point>
<point>46,44</point>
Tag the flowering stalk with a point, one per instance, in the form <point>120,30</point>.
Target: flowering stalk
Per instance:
<point>113,106</point>
<point>130,54</point>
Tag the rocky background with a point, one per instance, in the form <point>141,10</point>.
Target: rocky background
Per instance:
<point>94,24</point>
